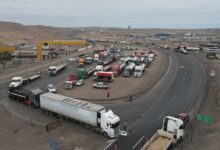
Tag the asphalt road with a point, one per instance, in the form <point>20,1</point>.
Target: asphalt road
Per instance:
<point>175,94</point>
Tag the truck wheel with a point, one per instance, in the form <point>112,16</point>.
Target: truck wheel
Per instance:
<point>105,134</point>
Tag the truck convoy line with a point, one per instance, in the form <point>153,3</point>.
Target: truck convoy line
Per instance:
<point>96,116</point>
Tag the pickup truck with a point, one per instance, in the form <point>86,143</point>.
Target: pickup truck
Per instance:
<point>100,85</point>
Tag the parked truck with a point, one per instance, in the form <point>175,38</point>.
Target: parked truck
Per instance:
<point>128,70</point>
<point>138,70</point>
<point>96,116</point>
<point>93,115</point>
<point>171,133</point>
<point>70,82</point>
<point>104,76</point>
<point>54,70</point>
<point>81,73</point>
<point>117,69</point>
<point>18,82</point>
<point>81,62</point>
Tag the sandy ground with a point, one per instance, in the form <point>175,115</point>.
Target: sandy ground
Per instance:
<point>121,86</point>
<point>17,134</point>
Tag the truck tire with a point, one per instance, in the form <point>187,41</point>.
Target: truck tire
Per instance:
<point>105,134</point>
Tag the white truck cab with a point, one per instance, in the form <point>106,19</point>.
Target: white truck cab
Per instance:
<point>175,126</point>
<point>110,124</point>
<point>16,82</point>
<point>52,70</point>
<point>138,70</point>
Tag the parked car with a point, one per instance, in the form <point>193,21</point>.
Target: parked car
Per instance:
<point>71,59</point>
<point>51,88</point>
<point>100,85</point>
<point>80,82</point>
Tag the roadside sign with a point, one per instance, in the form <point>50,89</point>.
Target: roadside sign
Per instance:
<point>53,125</point>
<point>204,118</point>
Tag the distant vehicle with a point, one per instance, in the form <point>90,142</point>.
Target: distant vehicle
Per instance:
<point>81,73</point>
<point>128,70</point>
<point>51,88</point>
<point>81,62</point>
<point>96,57</point>
<point>138,70</point>
<point>70,82</point>
<point>18,82</point>
<point>89,60</point>
<point>72,59</point>
<point>54,70</point>
<point>80,82</point>
<point>117,69</point>
<point>100,85</point>
<point>104,76</point>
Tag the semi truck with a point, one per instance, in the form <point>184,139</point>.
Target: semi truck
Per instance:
<point>89,114</point>
<point>128,70</point>
<point>138,70</point>
<point>172,133</point>
<point>81,62</point>
<point>93,115</point>
<point>18,82</point>
<point>81,73</point>
<point>104,76</point>
<point>96,116</point>
<point>54,70</point>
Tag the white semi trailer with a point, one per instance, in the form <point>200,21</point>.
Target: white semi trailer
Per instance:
<point>106,122</point>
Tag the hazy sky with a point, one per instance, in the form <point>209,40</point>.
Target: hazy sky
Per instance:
<point>114,13</point>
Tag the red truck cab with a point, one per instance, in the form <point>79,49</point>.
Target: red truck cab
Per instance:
<point>184,117</point>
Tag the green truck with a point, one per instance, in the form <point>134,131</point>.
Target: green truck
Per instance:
<point>81,73</point>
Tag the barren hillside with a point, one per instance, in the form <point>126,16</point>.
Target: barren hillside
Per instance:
<point>13,33</point>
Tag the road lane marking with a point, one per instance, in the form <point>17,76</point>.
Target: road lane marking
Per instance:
<point>111,142</point>
<point>137,143</point>
<point>173,99</point>
<point>182,66</point>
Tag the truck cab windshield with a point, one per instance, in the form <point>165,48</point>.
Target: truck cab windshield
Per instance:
<point>52,69</point>
<point>17,80</point>
<point>115,125</point>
